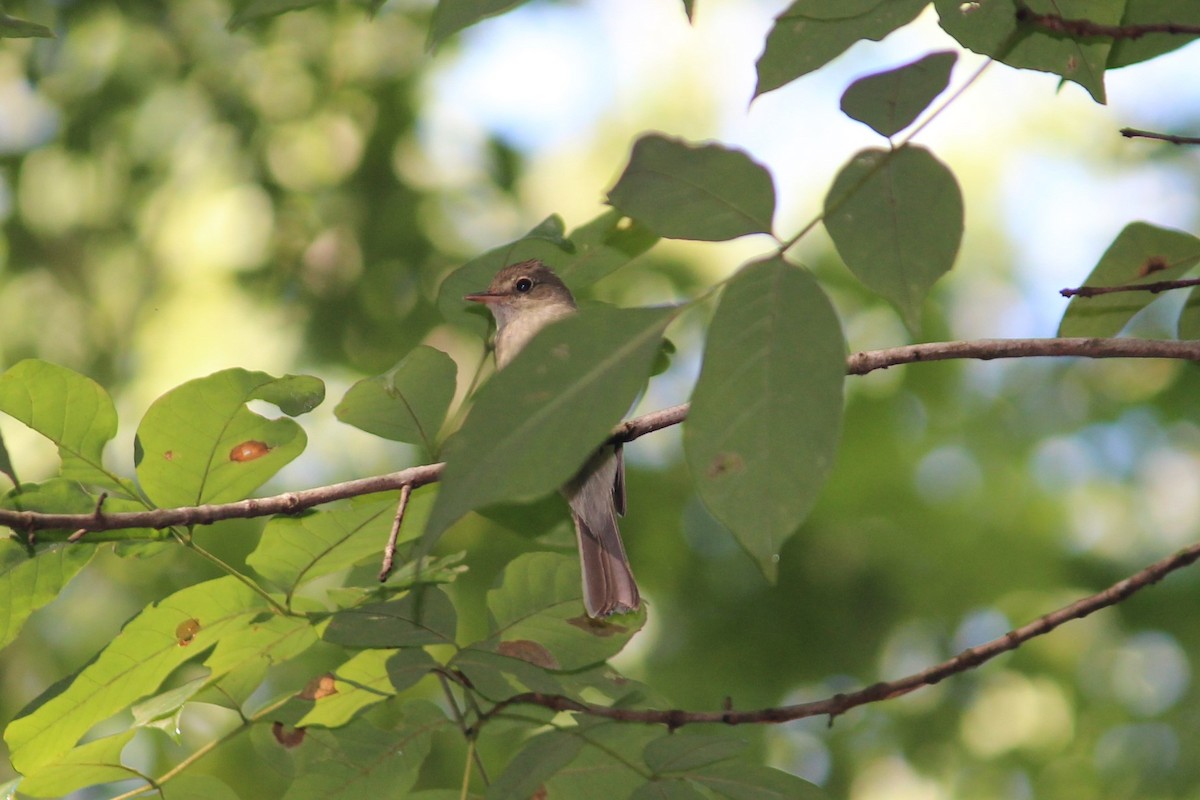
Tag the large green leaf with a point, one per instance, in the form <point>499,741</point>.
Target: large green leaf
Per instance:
<point>537,615</point>
<point>811,33</point>
<point>741,781</point>
<point>424,616</point>
<point>362,681</point>
<point>132,666</point>
<point>992,29</point>
<point>1141,253</point>
<point>89,764</point>
<point>896,218</point>
<point>766,412</point>
<point>407,403</point>
<point>890,101</point>
<point>684,191</point>
<point>541,758</point>
<point>607,767</point>
<point>537,421</point>
<point>197,787</point>
<point>602,246</point>
<point>1148,12</point>
<point>451,16</point>
<point>67,408</point>
<point>199,443</point>
<point>30,581</point>
<point>294,550</point>
<point>683,752</point>
<point>672,789</point>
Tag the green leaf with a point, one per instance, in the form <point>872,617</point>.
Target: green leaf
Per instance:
<point>87,765</point>
<point>132,666</point>
<point>424,616</point>
<point>6,465</point>
<point>256,10</point>
<point>1189,318</point>
<point>992,29</point>
<point>673,789</point>
<point>684,752</point>
<point>361,760</point>
<point>407,403</point>
<point>360,682</point>
<point>497,676</point>
<point>689,8</point>
<point>197,787</point>
<point>766,413</point>
<point>811,33</point>
<point>683,191</point>
<point>199,443</point>
<point>162,711</point>
<point>603,246</point>
<point>294,550</point>
<point>896,218</point>
<point>14,28</point>
<point>541,758</point>
<point>1148,12</point>
<point>1141,253</point>
<point>537,614</point>
<point>606,768</point>
<point>67,408</point>
<point>743,781</point>
<point>264,642</point>
<point>451,16</point>
<point>557,400</point>
<point>28,582</point>
<point>890,101</point>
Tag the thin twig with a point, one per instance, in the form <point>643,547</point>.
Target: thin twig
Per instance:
<point>97,514</point>
<point>1134,133</point>
<point>841,703</point>
<point>1152,288</point>
<point>1085,28</point>
<point>389,551</point>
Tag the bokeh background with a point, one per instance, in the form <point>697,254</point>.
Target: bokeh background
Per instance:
<point>177,198</point>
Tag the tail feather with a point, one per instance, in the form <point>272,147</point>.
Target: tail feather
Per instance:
<point>608,583</point>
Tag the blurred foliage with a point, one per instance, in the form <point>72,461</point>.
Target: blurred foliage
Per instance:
<point>154,150</point>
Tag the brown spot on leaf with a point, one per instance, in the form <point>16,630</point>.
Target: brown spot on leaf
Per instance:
<point>318,687</point>
<point>288,737</point>
<point>186,631</point>
<point>540,794</point>
<point>723,464</point>
<point>597,627</point>
<point>530,651</point>
<point>1152,265</point>
<point>249,450</point>
<point>169,455</point>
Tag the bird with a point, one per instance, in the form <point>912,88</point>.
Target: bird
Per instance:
<point>524,298</point>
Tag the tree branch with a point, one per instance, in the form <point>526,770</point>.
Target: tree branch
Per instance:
<point>1134,133</point>
<point>1084,28</point>
<point>841,703</point>
<point>1152,288</point>
<point>414,477</point>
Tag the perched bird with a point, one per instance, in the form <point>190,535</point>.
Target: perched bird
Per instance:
<point>524,298</point>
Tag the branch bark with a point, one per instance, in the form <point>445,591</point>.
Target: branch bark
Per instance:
<point>1086,29</point>
<point>414,477</point>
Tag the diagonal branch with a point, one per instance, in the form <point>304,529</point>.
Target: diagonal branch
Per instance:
<point>841,703</point>
<point>415,477</point>
<point>1170,138</point>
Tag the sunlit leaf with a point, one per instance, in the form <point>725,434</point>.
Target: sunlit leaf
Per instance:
<point>360,682</point>
<point>424,616</point>
<point>896,218</point>
<point>559,398</point>
<point>451,16</point>
<point>890,101</point>
<point>132,666</point>
<point>199,443</point>
<point>811,33</point>
<point>96,762</point>
<point>766,412</point>
<point>6,465</point>
<point>540,601</point>
<point>69,409</point>
<point>992,29</point>
<point>1141,253</point>
<point>685,191</point>
<point>29,581</point>
<point>541,758</point>
<point>407,403</point>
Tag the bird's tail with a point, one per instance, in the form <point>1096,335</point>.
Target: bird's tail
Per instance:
<point>595,495</point>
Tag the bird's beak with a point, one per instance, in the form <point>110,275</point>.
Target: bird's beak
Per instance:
<point>483,297</point>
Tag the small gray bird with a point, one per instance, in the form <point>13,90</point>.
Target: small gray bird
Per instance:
<point>524,298</point>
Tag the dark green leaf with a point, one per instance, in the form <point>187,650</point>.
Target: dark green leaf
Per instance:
<point>199,443</point>
<point>87,765</point>
<point>28,582</point>
<point>556,401</point>
<point>14,28</point>
<point>992,29</point>
<point>683,191</point>
<point>689,8</point>
<point>1148,12</point>
<point>811,33</point>
<point>1189,318</point>
<point>6,465</point>
<point>890,101</point>
<point>683,752</point>
<point>425,616</point>
<point>408,666</point>
<point>603,246</point>
<point>67,408</point>
<point>408,403</point>
<point>541,758</point>
<point>673,789</point>
<point>742,781</point>
<point>538,616</point>
<point>497,676</point>
<point>451,16</point>
<point>606,767</point>
<point>766,412</point>
<point>1141,253</point>
<point>896,218</point>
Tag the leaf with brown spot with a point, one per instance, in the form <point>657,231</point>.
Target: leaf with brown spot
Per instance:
<point>320,686</point>
<point>288,737</point>
<point>597,627</point>
<point>249,450</point>
<point>186,631</point>
<point>530,651</point>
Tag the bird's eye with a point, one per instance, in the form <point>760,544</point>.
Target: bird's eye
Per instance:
<point>523,285</point>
